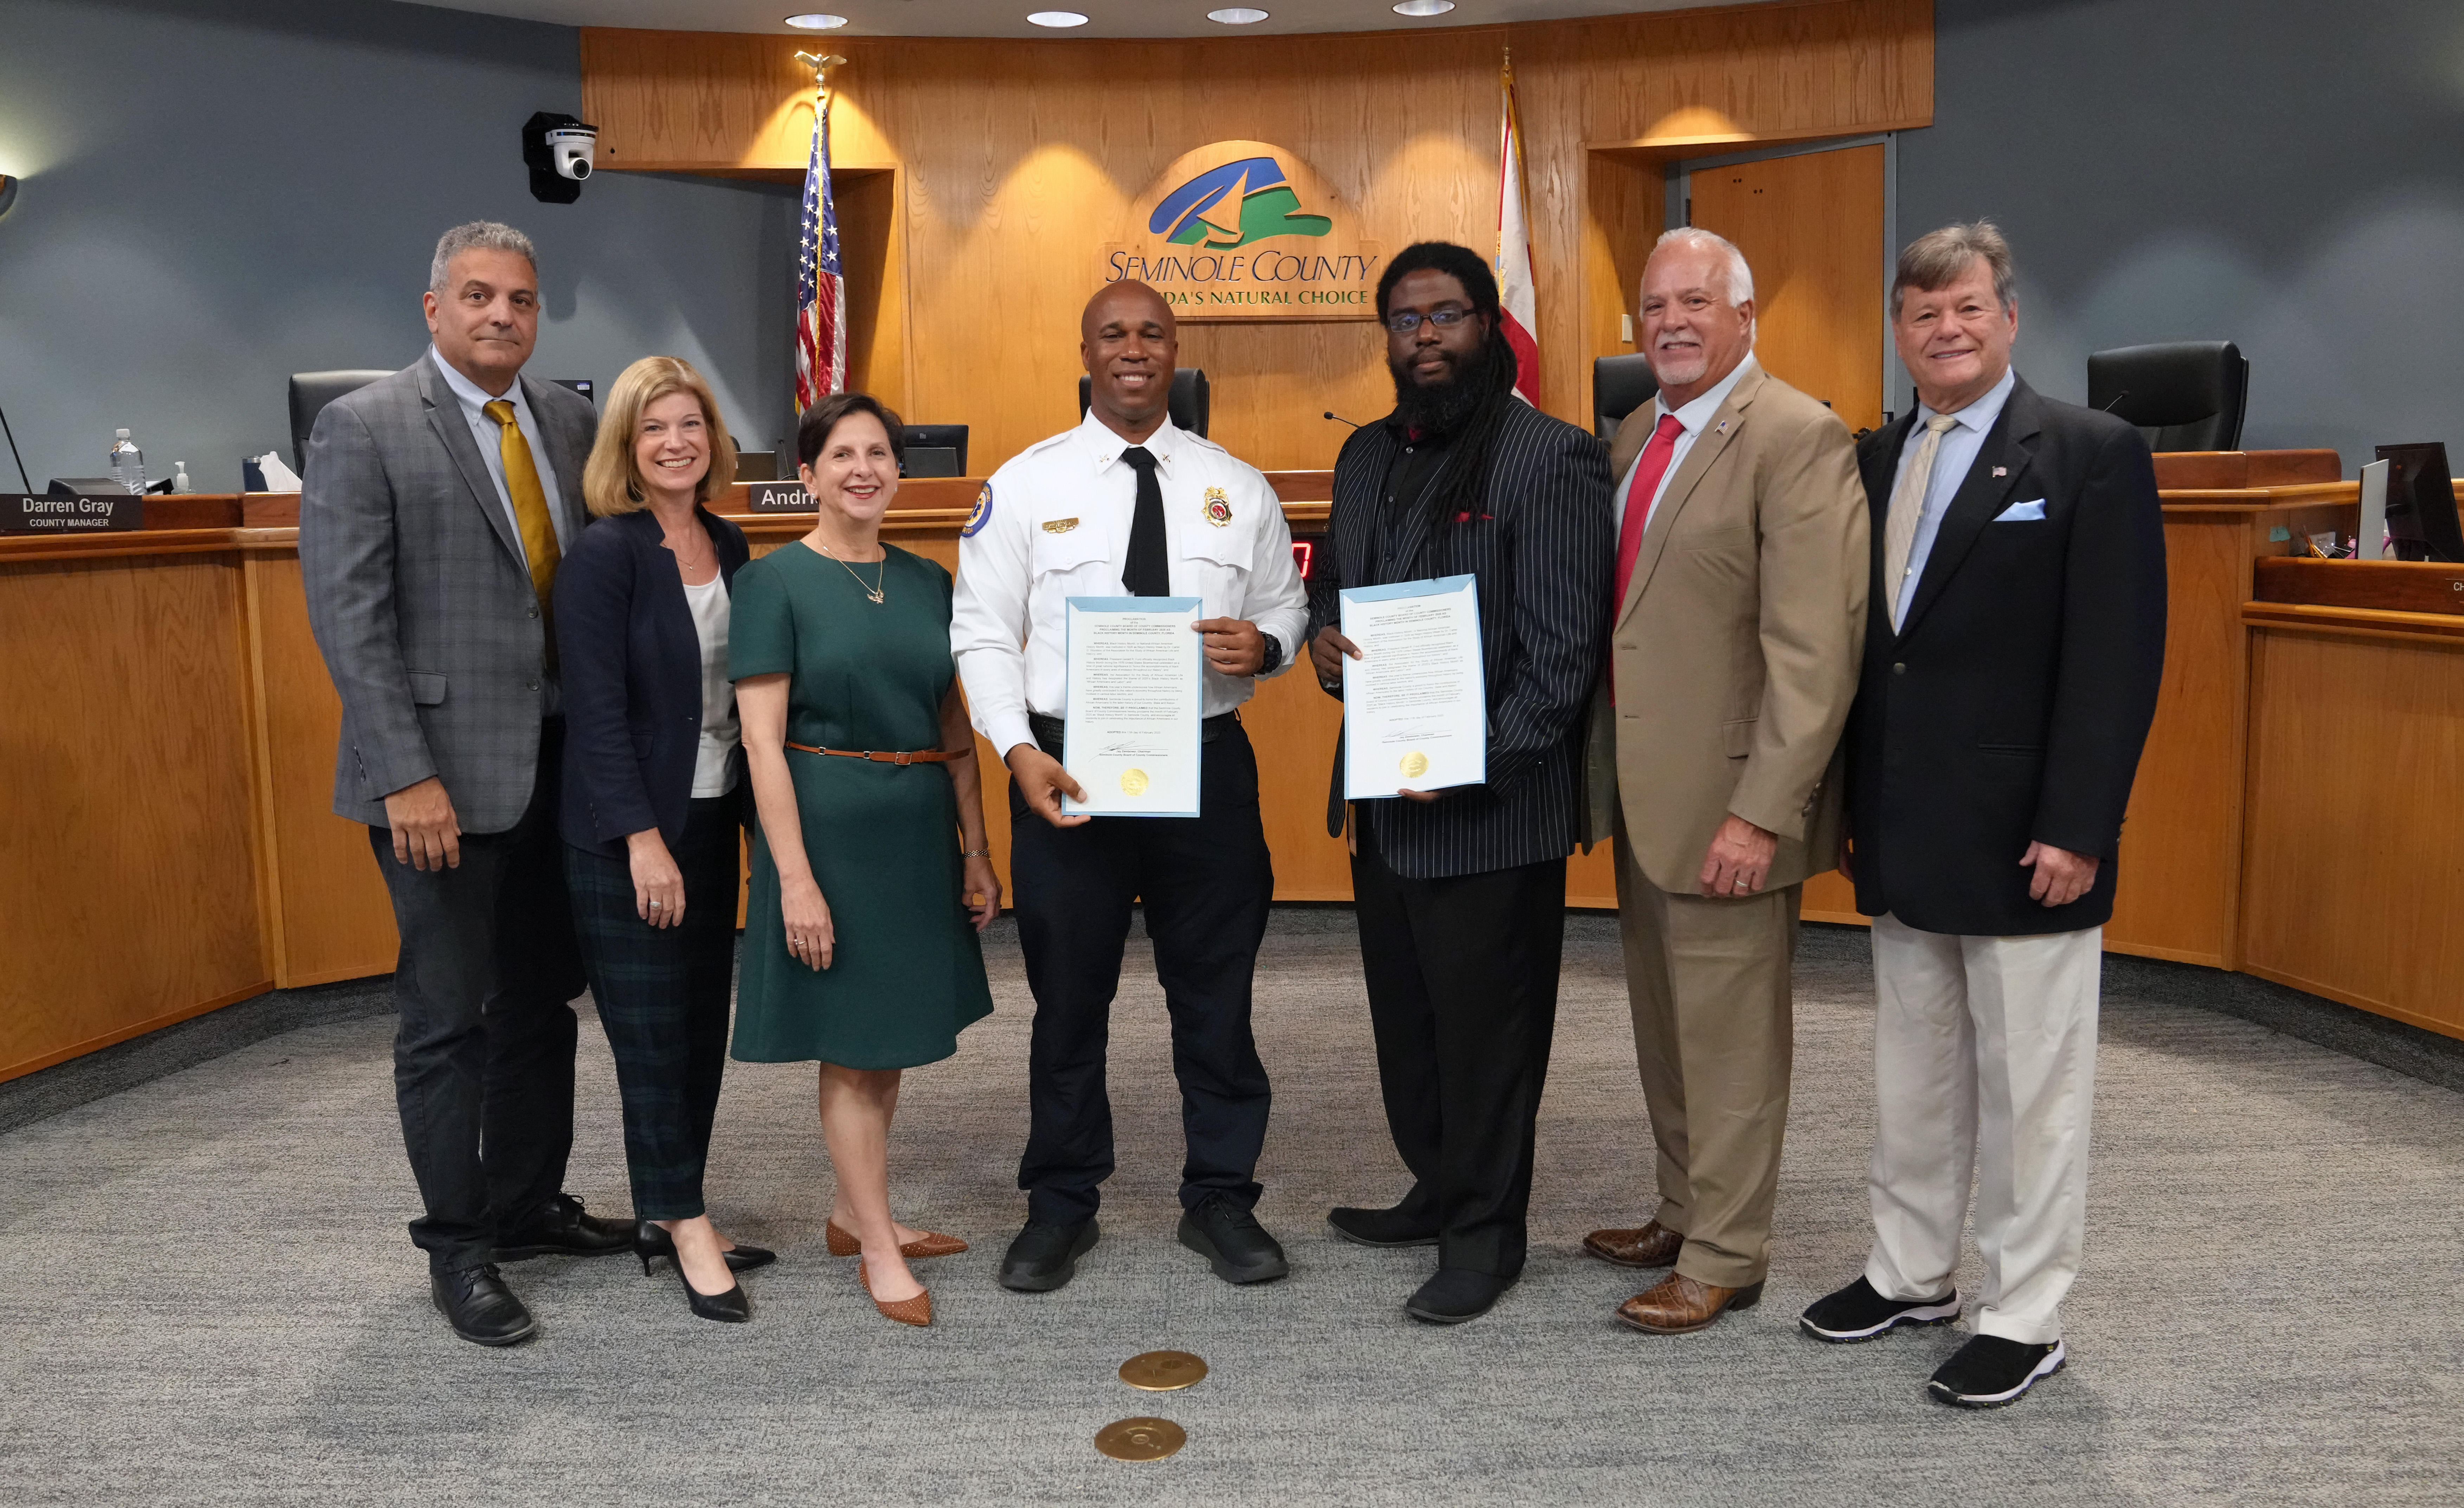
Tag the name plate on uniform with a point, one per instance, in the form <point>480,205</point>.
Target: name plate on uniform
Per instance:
<point>85,513</point>
<point>779,496</point>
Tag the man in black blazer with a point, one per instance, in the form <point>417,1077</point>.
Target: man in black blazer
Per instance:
<point>1461,894</point>
<point>2015,637</point>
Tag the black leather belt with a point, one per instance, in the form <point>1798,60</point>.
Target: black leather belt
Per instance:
<point>1048,730</point>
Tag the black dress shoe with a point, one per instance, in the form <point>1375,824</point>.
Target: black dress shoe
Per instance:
<point>732,1307</point>
<point>481,1308</point>
<point>561,1228</point>
<point>651,1241</point>
<point>1860,1313</point>
<point>1991,1372</point>
<point>1045,1256</point>
<point>1232,1241</point>
<point>1455,1295</point>
<point>1396,1227</point>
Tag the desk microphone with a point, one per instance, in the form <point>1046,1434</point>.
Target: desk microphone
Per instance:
<point>1339,418</point>
<point>2116,400</point>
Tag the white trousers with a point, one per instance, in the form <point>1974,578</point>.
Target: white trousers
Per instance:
<point>1984,1061</point>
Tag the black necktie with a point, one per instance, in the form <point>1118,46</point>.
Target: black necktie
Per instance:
<point>1148,570</point>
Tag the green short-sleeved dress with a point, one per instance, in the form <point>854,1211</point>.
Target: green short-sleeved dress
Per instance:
<point>883,839</point>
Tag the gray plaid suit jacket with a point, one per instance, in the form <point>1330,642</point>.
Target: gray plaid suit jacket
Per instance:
<point>419,599</point>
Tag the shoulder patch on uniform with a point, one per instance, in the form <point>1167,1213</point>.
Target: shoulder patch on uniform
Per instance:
<point>979,515</point>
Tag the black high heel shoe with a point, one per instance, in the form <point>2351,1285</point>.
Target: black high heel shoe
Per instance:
<point>651,1241</point>
<point>732,1307</point>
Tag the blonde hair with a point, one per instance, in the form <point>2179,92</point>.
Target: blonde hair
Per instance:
<point>611,481</point>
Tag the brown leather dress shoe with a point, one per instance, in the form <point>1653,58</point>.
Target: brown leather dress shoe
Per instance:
<point>1655,1245</point>
<point>1681,1305</point>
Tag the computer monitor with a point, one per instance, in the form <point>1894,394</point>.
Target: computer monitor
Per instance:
<point>934,450</point>
<point>2421,503</point>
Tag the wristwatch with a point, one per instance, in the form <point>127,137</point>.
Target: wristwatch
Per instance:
<point>1274,654</point>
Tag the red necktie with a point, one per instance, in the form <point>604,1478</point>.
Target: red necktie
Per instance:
<point>1648,472</point>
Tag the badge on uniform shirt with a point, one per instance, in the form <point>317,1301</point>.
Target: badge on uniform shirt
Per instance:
<point>1219,507</point>
<point>1059,525</point>
<point>979,515</point>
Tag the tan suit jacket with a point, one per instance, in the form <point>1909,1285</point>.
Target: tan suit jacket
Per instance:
<point>1737,646</point>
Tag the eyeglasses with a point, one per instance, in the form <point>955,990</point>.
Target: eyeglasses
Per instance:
<point>1446,318</point>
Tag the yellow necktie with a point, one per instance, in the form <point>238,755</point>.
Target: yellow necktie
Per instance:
<point>1907,510</point>
<point>530,501</point>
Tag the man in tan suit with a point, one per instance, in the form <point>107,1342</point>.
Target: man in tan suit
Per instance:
<point>1740,615</point>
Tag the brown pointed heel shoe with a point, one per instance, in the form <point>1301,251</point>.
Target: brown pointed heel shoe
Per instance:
<point>1655,1245</point>
<point>916,1311</point>
<point>932,1243</point>
<point>1681,1305</point>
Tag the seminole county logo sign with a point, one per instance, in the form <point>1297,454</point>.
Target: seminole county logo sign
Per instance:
<point>1246,231</point>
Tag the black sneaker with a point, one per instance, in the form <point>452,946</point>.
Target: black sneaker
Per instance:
<point>1044,1257</point>
<point>1399,1225</point>
<point>1453,1294</point>
<point>1991,1372</point>
<point>1857,1313</point>
<point>1232,1241</point>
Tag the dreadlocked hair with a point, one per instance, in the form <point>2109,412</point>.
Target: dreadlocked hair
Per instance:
<point>1491,374</point>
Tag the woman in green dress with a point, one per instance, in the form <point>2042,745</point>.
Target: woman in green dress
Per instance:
<point>858,951</point>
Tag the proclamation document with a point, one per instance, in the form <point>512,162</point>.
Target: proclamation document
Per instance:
<point>1136,668</point>
<point>1416,704</point>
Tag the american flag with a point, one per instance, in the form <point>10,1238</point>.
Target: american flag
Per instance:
<point>820,286</point>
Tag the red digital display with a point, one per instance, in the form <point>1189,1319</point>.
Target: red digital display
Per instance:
<point>1304,555</point>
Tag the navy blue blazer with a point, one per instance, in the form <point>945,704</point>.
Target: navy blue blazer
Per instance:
<point>631,668</point>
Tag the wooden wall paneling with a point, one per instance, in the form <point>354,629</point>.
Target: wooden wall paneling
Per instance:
<point>127,844</point>
<point>331,917</point>
<point>2347,890</point>
<point>1624,211</point>
<point>872,250</point>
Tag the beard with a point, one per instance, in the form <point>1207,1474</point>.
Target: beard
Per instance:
<point>1441,408</point>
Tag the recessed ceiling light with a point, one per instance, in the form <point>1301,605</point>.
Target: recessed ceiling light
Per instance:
<point>1056,18</point>
<point>1423,7</point>
<point>816,22</point>
<point>1237,15</point>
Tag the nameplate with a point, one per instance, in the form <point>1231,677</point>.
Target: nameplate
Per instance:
<point>779,497</point>
<point>82,514</point>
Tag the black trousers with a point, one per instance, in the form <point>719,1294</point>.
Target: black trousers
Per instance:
<point>483,1055</point>
<point>1207,882</point>
<point>662,994</point>
<point>1462,998</point>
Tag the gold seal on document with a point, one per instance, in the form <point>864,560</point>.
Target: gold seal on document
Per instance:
<point>1414,765</point>
<point>1140,1439</point>
<point>1133,782</point>
<point>1162,1371</point>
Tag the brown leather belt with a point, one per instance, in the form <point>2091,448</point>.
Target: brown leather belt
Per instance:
<point>884,756</point>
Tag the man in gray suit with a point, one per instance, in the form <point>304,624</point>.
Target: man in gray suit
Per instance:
<point>436,504</point>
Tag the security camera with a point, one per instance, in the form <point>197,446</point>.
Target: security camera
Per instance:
<point>570,146</point>
<point>558,151</point>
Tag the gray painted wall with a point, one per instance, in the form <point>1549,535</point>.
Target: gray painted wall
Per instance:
<point>218,195</point>
<point>2283,173</point>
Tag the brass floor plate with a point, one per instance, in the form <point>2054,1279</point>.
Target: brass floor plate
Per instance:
<point>1162,1371</point>
<point>1140,1439</point>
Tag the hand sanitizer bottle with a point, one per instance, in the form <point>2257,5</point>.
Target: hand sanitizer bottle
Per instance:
<point>180,482</point>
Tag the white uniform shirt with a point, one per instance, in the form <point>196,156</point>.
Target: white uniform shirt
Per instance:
<point>475,401</point>
<point>1690,419</point>
<point>1054,523</point>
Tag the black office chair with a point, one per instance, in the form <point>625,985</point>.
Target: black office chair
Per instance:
<point>1190,399</point>
<point>2186,396</point>
<point>1619,385</point>
<point>310,392</point>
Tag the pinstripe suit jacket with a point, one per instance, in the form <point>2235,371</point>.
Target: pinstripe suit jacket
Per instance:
<point>1541,550</point>
<point>419,598</point>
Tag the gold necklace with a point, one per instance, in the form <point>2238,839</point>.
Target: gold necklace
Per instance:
<point>880,578</point>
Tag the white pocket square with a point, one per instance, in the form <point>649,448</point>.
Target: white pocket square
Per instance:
<point>2020,512</point>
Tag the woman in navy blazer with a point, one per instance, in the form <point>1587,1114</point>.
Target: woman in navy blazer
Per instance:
<point>654,796</point>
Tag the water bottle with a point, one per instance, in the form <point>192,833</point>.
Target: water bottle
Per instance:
<point>127,463</point>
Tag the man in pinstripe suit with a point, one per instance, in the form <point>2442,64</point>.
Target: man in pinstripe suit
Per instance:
<point>1461,895</point>
<point>436,504</point>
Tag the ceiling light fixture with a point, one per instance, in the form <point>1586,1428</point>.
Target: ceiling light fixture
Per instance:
<point>1056,18</point>
<point>1237,15</point>
<point>814,21</point>
<point>1423,7</point>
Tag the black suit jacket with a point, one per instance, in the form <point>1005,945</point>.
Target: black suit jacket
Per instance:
<point>1541,548</point>
<point>631,665</point>
<point>2013,703</point>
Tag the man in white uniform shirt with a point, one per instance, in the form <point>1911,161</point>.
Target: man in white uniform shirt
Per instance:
<point>1129,505</point>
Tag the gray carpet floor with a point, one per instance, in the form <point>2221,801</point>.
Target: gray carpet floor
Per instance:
<point>205,1295</point>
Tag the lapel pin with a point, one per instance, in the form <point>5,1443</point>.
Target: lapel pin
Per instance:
<point>2001,470</point>
<point>1723,428</point>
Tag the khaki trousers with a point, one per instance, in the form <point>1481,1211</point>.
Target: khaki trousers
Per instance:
<point>1983,1059</point>
<point>1708,984</point>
